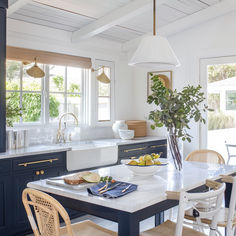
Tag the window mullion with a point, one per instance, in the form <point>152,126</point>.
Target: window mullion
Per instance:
<point>21,94</point>
<point>46,95</point>
<point>65,92</point>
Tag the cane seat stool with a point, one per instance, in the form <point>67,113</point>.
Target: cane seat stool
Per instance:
<point>47,211</point>
<point>205,155</point>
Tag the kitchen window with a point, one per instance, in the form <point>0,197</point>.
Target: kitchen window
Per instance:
<point>104,94</point>
<point>63,89</point>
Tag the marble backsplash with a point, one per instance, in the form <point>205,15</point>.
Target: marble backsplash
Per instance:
<point>47,135</point>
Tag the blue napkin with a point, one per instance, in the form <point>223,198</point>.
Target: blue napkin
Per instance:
<point>113,193</point>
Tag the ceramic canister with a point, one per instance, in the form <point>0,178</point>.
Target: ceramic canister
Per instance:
<point>119,124</point>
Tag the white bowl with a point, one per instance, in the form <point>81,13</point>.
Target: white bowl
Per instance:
<point>126,134</point>
<point>146,170</point>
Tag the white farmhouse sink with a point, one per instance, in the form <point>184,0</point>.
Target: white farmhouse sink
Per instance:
<point>89,154</point>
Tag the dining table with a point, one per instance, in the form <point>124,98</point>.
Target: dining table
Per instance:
<point>148,200</point>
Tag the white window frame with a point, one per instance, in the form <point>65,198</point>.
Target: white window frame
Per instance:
<point>94,99</point>
<point>44,119</point>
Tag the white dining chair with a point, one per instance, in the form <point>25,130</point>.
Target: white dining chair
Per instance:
<point>227,216</point>
<point>190,200</point>
<point>229,148</point>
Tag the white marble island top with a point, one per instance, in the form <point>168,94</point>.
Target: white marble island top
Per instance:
<point>151,190</point>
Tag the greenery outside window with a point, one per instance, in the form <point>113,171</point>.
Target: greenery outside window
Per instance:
<point>43,100</point>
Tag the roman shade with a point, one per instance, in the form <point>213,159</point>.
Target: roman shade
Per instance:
<point>50,58</point>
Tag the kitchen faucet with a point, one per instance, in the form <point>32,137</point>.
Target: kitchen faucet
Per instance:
<point>60,132</point>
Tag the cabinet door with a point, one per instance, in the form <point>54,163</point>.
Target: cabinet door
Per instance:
<point>5,201</point>
<point>20,220</point>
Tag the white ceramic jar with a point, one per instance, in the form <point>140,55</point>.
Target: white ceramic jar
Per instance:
<point>119,124</point>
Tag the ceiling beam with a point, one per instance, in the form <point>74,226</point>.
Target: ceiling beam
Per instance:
<point>16,6</point>
<point>187,22</point>
<point>115,17</point>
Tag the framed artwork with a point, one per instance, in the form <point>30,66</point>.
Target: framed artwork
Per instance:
<point>164,76</point>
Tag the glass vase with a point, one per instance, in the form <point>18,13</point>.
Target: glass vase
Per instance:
<point>175,150</point>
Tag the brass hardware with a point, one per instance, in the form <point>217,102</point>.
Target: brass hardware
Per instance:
<point>37,172</point>
<point>36,162</point>
<point>42,172</point>
<point>135,149</point>
<point>162,145</point>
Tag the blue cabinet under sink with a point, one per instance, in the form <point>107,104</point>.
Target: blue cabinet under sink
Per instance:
<point>15,173</point>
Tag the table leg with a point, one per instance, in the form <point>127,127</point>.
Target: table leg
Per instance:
<point>128,225</point>
<point>159,218</point>
<point>227,196</point>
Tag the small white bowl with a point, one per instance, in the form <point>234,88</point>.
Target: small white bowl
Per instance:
<point>126,134</point>
<point>146,170</point>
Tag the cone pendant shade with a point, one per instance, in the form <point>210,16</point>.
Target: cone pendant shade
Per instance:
<point>154,52</point>
<point>35,71</point>
<point>103,78</point>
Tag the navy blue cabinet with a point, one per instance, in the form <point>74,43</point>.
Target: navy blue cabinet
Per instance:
<point>15,173</point>
<point>5,196</point>
<point>138,149</point>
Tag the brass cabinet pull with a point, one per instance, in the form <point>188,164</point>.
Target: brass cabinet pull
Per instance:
<point>135,149</point>
<point>162,145</point>
<point>42,172</point>
<point>37,172</point>
<point>36,162</point>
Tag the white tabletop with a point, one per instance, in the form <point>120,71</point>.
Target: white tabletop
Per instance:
<point>151,190</point>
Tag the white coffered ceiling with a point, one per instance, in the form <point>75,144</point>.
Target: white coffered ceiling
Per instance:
<point>117,20</point>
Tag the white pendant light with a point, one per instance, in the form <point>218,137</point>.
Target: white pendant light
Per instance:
<point>154,51</point>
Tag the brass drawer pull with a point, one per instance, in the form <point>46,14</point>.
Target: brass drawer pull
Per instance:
<point>36,162</point>
<point>135,149</point>
<point>162,145</point>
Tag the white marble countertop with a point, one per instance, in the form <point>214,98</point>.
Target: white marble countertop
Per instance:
<point>80,145</point>
<point>151,189</point>
<point>33,150</point>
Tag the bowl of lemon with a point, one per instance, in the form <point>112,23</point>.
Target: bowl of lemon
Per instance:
<point>146,165</point>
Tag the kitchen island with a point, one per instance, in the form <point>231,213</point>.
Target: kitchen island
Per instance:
<point>148,200</point>
<point>18,167</point>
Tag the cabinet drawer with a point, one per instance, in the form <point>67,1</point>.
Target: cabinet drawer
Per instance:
<point>39,161</point>
<point>5,166</point>
<point>135,150</point>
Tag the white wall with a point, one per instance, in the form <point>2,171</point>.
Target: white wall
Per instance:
<point>215,38</point>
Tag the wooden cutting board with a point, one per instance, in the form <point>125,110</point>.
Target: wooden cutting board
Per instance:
<point>139,127</point>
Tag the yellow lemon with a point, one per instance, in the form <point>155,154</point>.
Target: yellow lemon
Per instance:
<point>133,163</point>
<point>157,163</point>
<point>141,158</point>
<point>148,158</point>
<point>149,163</point>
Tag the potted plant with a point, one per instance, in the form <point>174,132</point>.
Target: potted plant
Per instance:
<point>175,110</point>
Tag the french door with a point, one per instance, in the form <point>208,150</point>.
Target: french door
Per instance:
<point>218,80</point>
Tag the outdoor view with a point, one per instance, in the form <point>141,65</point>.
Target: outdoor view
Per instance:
<point>41,100</point>
<point>222,98</point>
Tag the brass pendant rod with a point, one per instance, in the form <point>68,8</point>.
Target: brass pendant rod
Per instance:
<point>154,17</point>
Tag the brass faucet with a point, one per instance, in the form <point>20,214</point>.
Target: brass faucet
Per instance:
<point>60,134</point>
